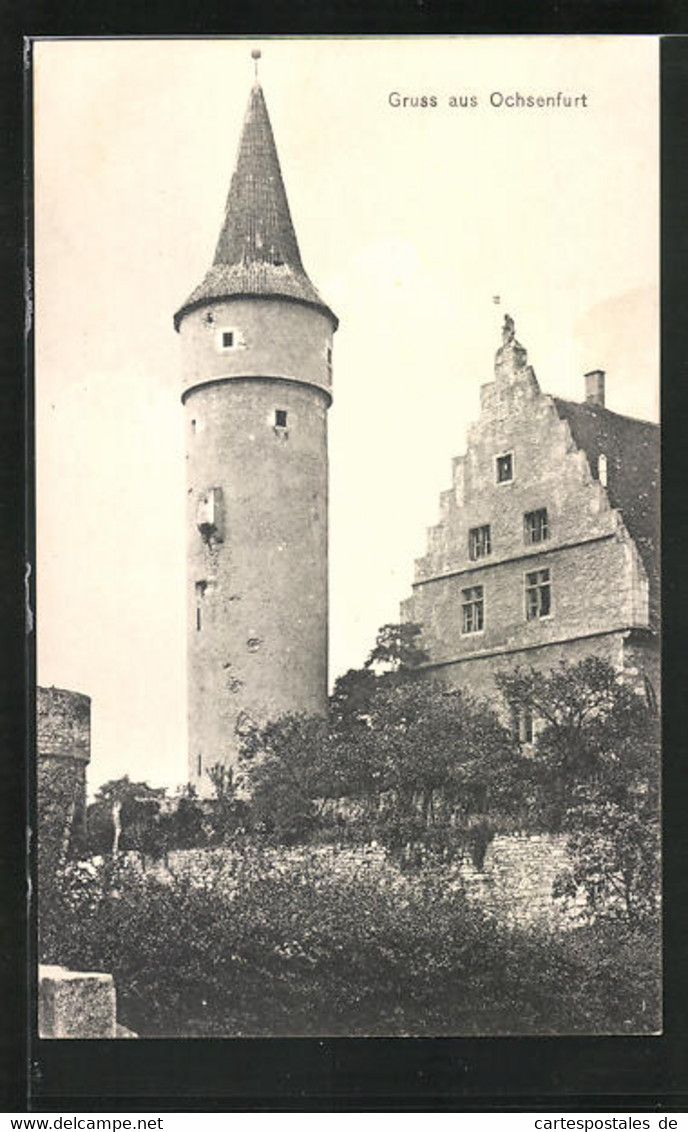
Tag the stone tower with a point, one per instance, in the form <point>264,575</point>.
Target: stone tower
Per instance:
<point>256,344</point>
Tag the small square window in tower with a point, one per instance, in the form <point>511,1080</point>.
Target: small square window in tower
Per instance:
<point>227,339</point>
<point>472,609</point>
<point>505,468</point>
<point>479,544</point>
<point>538,594</point>
<point>280,418</point>
<point>535,526</point>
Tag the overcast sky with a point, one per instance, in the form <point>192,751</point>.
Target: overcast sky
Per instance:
<point>409,220</point>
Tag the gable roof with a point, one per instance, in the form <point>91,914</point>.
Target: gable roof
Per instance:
<point>632,450</point>
<point>257,251</point>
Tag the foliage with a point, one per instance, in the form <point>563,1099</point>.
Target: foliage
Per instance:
<point>184,827</point>
<point>396,650</point>
<point>123,816</point>
<point>291,774</point>
<point>226,816</point>
<point>445,772</point>
<point>595,775</point>
<point>423,771</point>
<point>326,942</point>
<point>396,657</point>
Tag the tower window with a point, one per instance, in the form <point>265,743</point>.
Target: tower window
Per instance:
<point>200,589</point>
<point>535,526</point>
<point>538,595</point>
<point>280,418</point>
<point>329,355</point>
<point>479,544</point>
<point>227,338</point>
<point>472,609</point>
<point>505,468</point>
<point>199,766</point>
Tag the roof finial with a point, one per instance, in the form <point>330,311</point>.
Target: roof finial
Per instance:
<point>255,55</point>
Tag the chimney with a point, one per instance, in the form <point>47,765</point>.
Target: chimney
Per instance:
<point>594,387</point>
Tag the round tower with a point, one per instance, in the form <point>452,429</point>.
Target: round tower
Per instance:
<point>63,748</point>
<point>256,344</point>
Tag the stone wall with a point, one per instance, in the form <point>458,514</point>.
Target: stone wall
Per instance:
<point>63,749</point>
<point>514,885</point>
<point>515,882</point>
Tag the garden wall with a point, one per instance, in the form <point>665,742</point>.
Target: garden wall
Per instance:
<point>514,884</point>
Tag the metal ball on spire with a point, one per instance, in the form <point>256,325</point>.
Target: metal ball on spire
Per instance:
<point>255,55</point>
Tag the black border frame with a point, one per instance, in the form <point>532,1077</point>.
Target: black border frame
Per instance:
<point>234,1075</point>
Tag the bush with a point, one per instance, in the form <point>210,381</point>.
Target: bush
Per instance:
<point>335,943</point>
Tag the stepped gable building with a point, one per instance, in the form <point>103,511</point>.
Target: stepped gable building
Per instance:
<point>547,548</point>
<point>256,342</point>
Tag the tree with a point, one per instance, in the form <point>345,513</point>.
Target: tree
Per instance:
<point>226,813</point>
<point>595,776</point>
<point>123,815</point>
<point>351,698</point>
<point>396,650</point>
<point>394,658</point>
<point>425,772</point>
<point>290,774</point>
<point>185,824</point>
<point>446,770</point>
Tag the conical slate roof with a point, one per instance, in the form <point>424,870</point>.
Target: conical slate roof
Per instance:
<point>257,252</point>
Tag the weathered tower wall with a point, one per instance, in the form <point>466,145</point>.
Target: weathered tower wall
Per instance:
<point>256,442</point>
<point>63,741</point>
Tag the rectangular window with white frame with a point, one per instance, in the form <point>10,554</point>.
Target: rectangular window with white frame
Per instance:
<point>538,594</point>
<point>472,610</point>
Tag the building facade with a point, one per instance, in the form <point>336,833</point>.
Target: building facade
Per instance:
<point>547,547</point>
<point>256,342</point>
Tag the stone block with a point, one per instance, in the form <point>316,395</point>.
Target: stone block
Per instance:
<point>75,1004</point>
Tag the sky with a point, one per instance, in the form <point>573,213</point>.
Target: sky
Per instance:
<point>410,219</point>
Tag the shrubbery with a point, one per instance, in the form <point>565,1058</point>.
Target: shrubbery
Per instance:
<point>334,943</point>
<point>329,904</point>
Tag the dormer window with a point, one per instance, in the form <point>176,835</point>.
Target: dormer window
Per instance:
<point>504,468</point>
